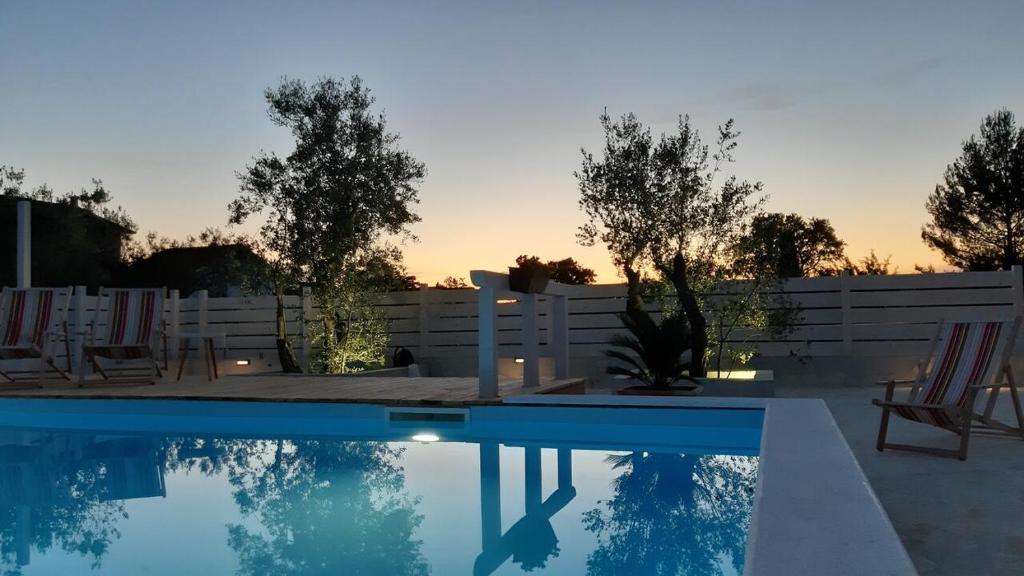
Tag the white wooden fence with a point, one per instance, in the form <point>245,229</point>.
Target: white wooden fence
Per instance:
<point>837,316</point>
<point>874,316</point>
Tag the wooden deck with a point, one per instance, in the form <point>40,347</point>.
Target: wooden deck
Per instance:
<point>299,388</point>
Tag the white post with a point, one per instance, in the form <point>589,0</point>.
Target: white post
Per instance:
<point>487,345</point>
<point>531,347</point>
<point>424,322</point>
<point>1018,290</point>
<point>24,245</point>
<point>79,326</point>
<point>559,338</point>
<point>847,307</point>
<point>305,314</point>
<point>174,322</point>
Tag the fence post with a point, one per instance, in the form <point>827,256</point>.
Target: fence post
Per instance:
<point>424,321</point>
<point>487,344</point>
<point>305,313</point>
<point>531,348</point>
<point>79,325</point>
<point>1018,290</point>
<point>174,324</point>
<point>845,302</point>
<point>560,335</point>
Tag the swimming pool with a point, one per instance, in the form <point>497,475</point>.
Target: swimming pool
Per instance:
<point>172,487</point>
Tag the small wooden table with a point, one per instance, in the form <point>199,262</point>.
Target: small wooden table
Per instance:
<point>206,347</point>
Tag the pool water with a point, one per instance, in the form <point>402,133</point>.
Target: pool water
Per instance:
<point>155,487</point>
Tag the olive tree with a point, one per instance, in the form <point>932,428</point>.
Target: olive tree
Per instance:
<point>346,185</point>
<point>664,205</point>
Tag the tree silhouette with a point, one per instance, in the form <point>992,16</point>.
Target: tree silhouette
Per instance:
<point>673,514</point>
<point>790,246</point>
<point>978,212</point>
<point>567,271</point>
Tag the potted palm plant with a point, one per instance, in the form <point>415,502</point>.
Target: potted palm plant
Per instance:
<point>528,279</point>
<point>652,354</point>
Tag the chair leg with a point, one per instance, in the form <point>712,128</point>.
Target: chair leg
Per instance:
<point>1015,396</point>
<point>81,368</point>
<point>67,350</point>
<point>213,358</point>
<point>883,430</point>
<point>965,436</point>
<point>182,356</point>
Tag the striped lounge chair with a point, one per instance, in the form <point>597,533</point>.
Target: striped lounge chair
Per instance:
<point>33,322</point>
<point>972,358</point>
<point>132,322</point>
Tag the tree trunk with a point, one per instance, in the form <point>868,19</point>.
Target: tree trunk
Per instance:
<point>698,324</point>
<point>285,353</point>
<point>633,300</point>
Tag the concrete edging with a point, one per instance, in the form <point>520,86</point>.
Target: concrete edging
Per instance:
<point>814,510</point>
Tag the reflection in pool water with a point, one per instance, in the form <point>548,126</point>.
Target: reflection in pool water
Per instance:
<point>80,502</point>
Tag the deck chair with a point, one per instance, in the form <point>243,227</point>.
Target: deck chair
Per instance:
<point>972,358</point>
<point>33,324</point>
<point>132,322</point>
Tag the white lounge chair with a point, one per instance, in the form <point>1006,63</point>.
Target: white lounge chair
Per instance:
<point>133,326</point>
<point>972,358</point>
<point>33,322</point>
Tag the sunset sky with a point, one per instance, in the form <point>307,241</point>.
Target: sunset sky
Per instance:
<point>849,110</point>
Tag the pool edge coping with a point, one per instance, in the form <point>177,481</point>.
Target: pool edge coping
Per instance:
<point>791,532</point>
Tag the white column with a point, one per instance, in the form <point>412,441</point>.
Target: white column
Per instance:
<point>490,495</point>
<point>24,245</point>
<point>532,475</point>
<point>531,347</point>
<point>487,342</point>
<point>564,468</point>
<point>559,338</point>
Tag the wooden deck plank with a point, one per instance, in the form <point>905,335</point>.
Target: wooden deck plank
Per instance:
<point>448,391</point>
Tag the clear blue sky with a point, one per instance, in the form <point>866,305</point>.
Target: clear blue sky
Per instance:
<point>849,110</point>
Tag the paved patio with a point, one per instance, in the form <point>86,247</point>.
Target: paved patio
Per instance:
<point>955,518</point>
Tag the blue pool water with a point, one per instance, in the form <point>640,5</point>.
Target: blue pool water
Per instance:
<point>175,487</point>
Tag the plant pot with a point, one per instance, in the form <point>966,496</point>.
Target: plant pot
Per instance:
<point>677,390</point>
<point>528,280</point>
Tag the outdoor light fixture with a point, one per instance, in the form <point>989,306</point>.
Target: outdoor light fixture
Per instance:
<point>520,360</point>
<point>426,437</point>
<point>507,301</point>
<point>241,362</point>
